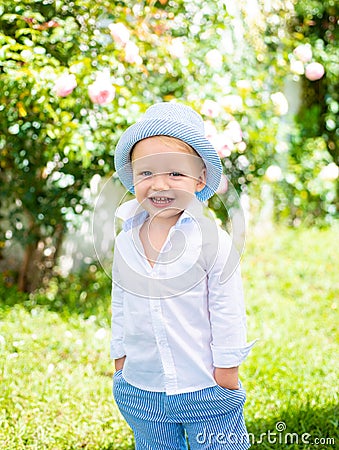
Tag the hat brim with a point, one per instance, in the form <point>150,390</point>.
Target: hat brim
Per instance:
<point>160,127</point>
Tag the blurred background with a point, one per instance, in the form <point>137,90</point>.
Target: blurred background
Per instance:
<point>73,75</point>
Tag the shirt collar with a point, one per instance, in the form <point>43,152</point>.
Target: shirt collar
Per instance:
<point>132,213</point>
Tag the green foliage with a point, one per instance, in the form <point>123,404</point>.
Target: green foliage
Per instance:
<point>56,374</point>
<point>307,194</point>
<point>48,151</point>
<point>86,294</point>
<point>9,294</point>
<point>52,143</point>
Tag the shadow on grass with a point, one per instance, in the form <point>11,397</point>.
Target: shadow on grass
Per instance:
<point>307,427</point>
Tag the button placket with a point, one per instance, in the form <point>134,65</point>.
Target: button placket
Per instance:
<point>162,343</point>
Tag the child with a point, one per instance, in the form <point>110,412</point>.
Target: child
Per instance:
<point>178,316</point>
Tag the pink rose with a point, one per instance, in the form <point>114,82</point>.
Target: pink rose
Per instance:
<point>210,130</point>
<point>132,53</point>
<point>65,85</point>
<point>314,71</point>
<point>233,130</point>
<point>223,145</point>
<point>303,53</point>
<point>119,33</point>
<point>210,108</point>
<point>101,91</point>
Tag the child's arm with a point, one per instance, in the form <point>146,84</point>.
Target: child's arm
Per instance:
<point>117,339</point>
<point>227,314</point>
<point>227,378</point>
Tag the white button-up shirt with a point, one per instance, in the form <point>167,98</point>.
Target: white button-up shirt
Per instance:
<point>184,316</point>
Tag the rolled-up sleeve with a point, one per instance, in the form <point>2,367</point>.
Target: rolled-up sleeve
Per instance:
<point>226,307</point>
<point>117,349</point>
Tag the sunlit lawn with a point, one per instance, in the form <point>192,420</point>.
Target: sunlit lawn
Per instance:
<point>55,372</point>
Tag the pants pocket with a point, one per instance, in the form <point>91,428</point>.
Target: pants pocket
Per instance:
<point>138,403</point>
<point>206,403</point>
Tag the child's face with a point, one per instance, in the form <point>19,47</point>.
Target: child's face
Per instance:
<point>165,176</point>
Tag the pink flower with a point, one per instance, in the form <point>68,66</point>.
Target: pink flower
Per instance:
<point>233,130</point>
<point>101,91</point>
<point>210,108</point>
<point>132,53</point>
<point>314,71</point>
<point>223,145</point>
<point>210,130</point>
<point>65,85</point>
<point>119,33</point>
<point>303,53</point>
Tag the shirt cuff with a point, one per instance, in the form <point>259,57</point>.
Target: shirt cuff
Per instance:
<point>117,350</point>
<point>230,357</point>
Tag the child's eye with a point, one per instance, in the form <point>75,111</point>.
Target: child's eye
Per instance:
<point>146,173</point>
<point>176,174</point>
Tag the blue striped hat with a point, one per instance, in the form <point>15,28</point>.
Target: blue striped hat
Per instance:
<point>175,120</point>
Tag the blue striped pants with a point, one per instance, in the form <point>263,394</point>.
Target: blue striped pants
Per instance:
<point>211,418</point>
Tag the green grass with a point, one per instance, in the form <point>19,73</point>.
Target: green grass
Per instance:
<point>55,372</point>
<point>292,287</point>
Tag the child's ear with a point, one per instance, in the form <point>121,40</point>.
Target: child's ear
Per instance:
<point>201,183</point>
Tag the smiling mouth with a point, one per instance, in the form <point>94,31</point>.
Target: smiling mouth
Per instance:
<point>161,201</point>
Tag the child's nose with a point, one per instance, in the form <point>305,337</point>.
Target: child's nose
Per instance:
<point>160,182</point>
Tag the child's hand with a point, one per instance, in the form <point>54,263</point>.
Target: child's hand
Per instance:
<point>227,378</point>
<point>119,363</point>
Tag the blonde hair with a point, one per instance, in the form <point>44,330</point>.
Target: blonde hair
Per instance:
<point>181,145</point>
<point>169,141</point>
